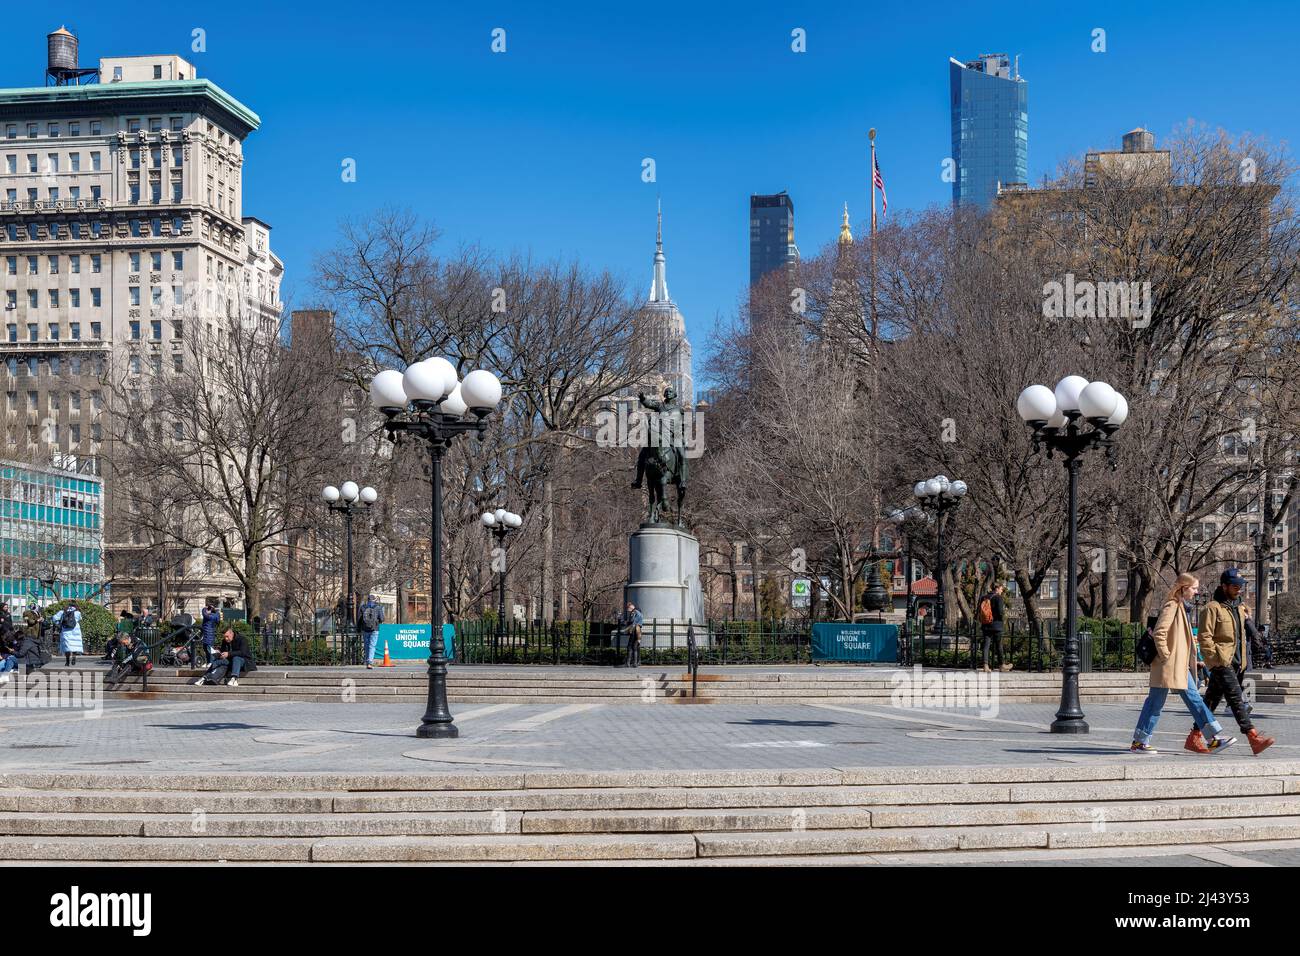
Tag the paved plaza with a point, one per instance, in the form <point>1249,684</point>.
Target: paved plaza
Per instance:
<point>215,735</point>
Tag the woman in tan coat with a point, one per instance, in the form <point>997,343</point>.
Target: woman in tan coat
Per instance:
<point>1173,670</point>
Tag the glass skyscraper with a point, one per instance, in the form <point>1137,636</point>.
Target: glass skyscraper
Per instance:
<point>771,235</point>
<point>990,128</point>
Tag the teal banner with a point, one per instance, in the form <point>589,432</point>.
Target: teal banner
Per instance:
<point>410,642</point>
<point>855,642</point>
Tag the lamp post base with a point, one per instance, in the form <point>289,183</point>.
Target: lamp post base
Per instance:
<point>1069,725</point>
<point>439,731</point>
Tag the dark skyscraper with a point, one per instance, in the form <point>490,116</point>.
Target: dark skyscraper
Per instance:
<point>990,128</point>
<point>771,235</point>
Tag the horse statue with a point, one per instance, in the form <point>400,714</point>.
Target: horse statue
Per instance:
<point>663,462</point>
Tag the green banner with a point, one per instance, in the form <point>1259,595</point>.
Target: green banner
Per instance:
<point>410,642</point>
<point>855,642</point>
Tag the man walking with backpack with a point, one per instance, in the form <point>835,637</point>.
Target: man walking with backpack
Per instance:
<point>69,624</point>
<point>992,613</point>
<point>372,615</point>
<point>1225,645</point>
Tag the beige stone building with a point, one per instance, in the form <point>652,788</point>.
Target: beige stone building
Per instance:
<point>121,222</point>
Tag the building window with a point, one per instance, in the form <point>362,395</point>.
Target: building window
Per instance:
<point>155,122</point>
<point>74,328</point>
<point>32,267</point>
<point>13,332</point>
<point>31,130</point>
<point>134,258</point>
<point>135,365</point>
<point>54,298</point>
<point>176,124</point>
<point>74,300</point>
<point>178,364</point>
<point>156,327</point>
<point>135,330</point>
<point>135,192</point>
<point>31,331</point>
<point>54,329</point>
<point>32,166</point>
<point>74,129</point>
<point>132,125</point>
<point>74,265</point>
<point>74,162</point>
<point>177,296</point>
<point>178,261</point>
<point>135,157</point>
<point>11,265</point>
<point>54,265</point>
<point>157,75</point>
<point>95,263</point>
<point>94,163</point>
<point>96,129</point>
<point>95,302</point>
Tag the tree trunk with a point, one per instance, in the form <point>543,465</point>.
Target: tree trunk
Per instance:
<point>548,549</point>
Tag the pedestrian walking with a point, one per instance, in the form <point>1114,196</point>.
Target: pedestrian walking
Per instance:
<point>631,622</point>
<point>68,622</point>
<point>992,615</point>
<point>1225,646</point>
<point>1172,670</point>
<point>372,615</point>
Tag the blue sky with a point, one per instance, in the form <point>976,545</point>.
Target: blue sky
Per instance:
<point>539,149</point>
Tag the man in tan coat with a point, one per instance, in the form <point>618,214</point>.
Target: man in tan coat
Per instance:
<point>1225,648</point>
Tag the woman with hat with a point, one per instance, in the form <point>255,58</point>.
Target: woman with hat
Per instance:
<point>1225,646</point>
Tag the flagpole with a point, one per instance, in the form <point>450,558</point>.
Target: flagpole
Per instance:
<point>871,135</point>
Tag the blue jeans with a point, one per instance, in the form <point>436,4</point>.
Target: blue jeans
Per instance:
<point>8,663</point>
<point>1155,702</point>
<point>372,639</point>
<point>236,665</point>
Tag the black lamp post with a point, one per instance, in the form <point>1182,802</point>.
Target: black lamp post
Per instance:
<point>939,495</point>
<point>1261,552</point>
<point>1055,417</point>
<point>348,500</point>
<point>899,519</point>
<point>501,523</point>
<point>427,402</point>
<point>160,565</point>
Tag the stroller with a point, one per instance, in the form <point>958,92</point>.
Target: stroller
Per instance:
<point>178,645</point>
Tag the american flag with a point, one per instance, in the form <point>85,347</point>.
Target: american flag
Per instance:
<point>878,181</point>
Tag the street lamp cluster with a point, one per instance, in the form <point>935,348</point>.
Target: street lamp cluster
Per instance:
<point>939,495</point>
<point>429,402</point>
<point>348,499</point>
<point>501,523</point>
<point>1055,417</point>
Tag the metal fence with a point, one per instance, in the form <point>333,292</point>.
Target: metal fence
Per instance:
<point>662,642</point>
<point>1103,646</point>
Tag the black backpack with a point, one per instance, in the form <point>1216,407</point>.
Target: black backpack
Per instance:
<point>1146,644</point>
<point>69,619</point>
<point>370,617</point>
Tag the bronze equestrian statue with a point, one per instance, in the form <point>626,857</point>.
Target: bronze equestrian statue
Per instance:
<point>662,460</point>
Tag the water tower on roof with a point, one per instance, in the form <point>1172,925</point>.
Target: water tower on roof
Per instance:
<point>61,67</point>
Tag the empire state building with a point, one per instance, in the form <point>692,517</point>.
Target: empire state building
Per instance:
<point>666,329</point>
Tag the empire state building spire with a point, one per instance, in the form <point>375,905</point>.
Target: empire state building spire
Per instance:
<point>659,287</point>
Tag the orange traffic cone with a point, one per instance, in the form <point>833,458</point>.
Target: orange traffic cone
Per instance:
<point>388,661</point>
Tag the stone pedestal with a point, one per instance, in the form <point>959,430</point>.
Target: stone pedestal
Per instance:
<point>663,581</point>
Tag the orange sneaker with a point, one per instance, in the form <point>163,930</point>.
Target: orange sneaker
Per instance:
<point>1196,743</point>
<point>1257,743</point>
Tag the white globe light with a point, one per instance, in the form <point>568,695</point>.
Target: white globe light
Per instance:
<point>1120,415</point>
<point>349,491</point>
<point>1067,392</point>
<point>454,404</point>
<point>932,487</point>
<point>920,489</point>
<point>481,390</point>
<point>449,375</point>
<point>1036,404</point>
<point>369,495</point>
<point>488,519</point>
<point>386,390</point>
<point>1058,420</point>
<point>330,494</point>
<point>514,520</point>
<point>426,382</point>
<point>500,515</point>
<point>1098,400</point>
<point>957,489</point>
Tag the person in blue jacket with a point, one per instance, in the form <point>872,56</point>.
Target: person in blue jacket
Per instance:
<point>211,618</point>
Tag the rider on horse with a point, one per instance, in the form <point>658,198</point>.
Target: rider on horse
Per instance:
<point>664,454</point>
